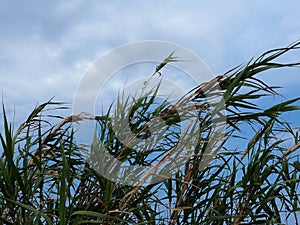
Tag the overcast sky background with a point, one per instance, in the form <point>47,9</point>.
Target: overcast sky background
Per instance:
<point>47,46</point>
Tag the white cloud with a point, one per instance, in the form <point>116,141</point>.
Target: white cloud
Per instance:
<point>45,50</point>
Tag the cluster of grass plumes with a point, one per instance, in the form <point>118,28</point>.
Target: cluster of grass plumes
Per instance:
<point>46,180</point>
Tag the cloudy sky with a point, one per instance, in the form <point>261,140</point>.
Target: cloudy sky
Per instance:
<point>47,46</point>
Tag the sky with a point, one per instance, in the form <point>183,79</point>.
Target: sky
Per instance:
<point>46,47</point>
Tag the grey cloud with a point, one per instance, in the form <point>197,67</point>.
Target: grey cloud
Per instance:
<point>46,46</point>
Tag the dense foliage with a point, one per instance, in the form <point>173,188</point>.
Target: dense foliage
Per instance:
<point>251,180</point>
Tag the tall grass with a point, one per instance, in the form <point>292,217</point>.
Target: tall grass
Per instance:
<point>46,180</point>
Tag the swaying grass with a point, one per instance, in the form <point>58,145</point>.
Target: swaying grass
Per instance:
<point>46,180</point>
